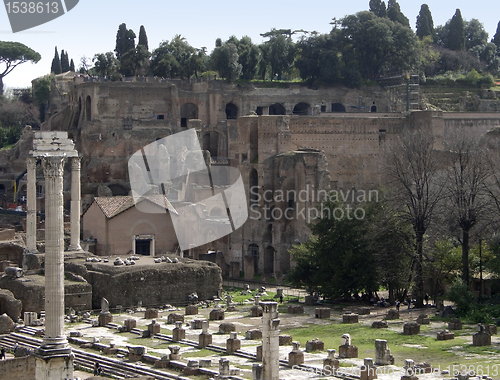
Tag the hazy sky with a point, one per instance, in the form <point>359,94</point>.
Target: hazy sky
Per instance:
<point>91,26</point>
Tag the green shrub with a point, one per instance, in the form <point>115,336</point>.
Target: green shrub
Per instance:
<point>462,298</point>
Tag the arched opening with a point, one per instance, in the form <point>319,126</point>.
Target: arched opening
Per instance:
<point>2,188</point>
<point>253,251</point>
<point>188,111</point>
<point>231,111</point>
<point>373,108</point>
<point>211,143</point>
<point>118,190</point>
<point>277,109</point>
<point>259,111</point>
<point>88,108</point>
<point>254,186</point>
<point>301,109</point>
<point>338,107</point>
<point>269,259</point>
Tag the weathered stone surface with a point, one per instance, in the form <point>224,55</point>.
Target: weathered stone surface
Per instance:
<point>151,314</point>
<point>481,338</point>
<point>423,319</point>
<point>10,305</point>
<point>296,356</point>
<point>227,327</point>
<point>383,353</point>
<point>204,339</point>
<point>233,344</point>
<point>253,334</point>
<point>322,312</point>
<point>174,317</point>
<point>364,311</point>
<point>295,309</point>
<point>129,324</point>
<point>256,311</point>
<point>348,351</point>
<point>392,314</point>
<point>315,345</point>
<point>6,324</point>
<point>379,325</point>
<point>350,318</point>
<point>492,329</point>
<point>191,310</point>
<point>411,328</point>
<point>105,318</point>
<point>445,335</point>
<point>285,340</point>
<point>217,315</point>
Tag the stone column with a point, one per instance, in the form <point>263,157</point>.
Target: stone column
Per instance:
<point>270,341</point>
<point>31,205</point>
<point>75,204</point>
<point>54,341</point>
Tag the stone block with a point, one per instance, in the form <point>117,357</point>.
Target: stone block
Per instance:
<point>310,301</point>
<point>368,371</point>
<point>259,353</point>
<point>423,319</point>
<point>285,340</point>
<point>227,327</point>
<point>445,335</point>
<point>191,310</point>
<point>295,358</point>
<point>295,309</point>
<point>256,311</point>
<point>411,328</point>
<point>192,368</point>
<point>423,368</point>
<point>379,325</point>
<point>151,314</point>
<point>104,319</point>
<point>364,311</point>
<point>145,333</point>
<point>492,329</point>
<point>233,344</point>
<point>178,334</point>
<point>383,353</point>
<point>216,315</point>
<point>197,324</point>
<point>322,312</point>
<point>253,334</point>
<point>175,352</point>
<point>350,318</point>
<point>204,340</point>
<point>205,363</point>
<point>173,317</point>
<point>392,314</point>
<point>129,324</point>
<point>154,328</point>
<point>348,352</point>
<point>481,338</point>
<point>315,345</point>
<point>455,324</point>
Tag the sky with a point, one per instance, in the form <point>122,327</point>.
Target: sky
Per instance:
<point>91,26</point>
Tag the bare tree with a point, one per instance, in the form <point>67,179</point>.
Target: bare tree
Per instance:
<point>412,171</point>
<point>467,176</point>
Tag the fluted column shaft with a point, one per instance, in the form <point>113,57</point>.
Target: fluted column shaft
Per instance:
<point>54,254</point>
<point>75,204</point>
<point>31,205</point>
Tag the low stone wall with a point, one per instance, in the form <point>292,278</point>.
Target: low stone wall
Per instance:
<point>18,368</point>
<point>7,234</point>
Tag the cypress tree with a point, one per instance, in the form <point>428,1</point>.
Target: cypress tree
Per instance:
<point>56,64</point>
<point>378,8</point>
<point>496,37</point>
<point>425,24</point>
<point>456,35</point>
<point>64,61</point>
<point>394,13</point>
<point>71,65</point>
<point>143,38</point>
<point>120,41</point>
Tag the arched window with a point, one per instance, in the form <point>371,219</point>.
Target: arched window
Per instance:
<point>301,109</point>
<point>231,111</point>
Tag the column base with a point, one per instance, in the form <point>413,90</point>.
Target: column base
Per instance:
<point>54,347</point>
<point>54,367</point>
<point>75,248</point>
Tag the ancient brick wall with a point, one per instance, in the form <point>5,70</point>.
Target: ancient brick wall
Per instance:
<point>18,368</point>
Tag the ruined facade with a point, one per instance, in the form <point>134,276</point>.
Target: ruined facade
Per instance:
<point>289,144</point>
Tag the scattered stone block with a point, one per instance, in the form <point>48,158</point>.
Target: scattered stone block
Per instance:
<point>295,309</point>
<point>205,363</point>
<point>285,340</point>
<point>178,333</point>
<point>175,352</point>
<point>322,312</point>
<point>347,352</point>
<point>310,301</point>
<point>315,345</point>
<point>455,324</point>
<point>135,353</point>
<point>367,371</point>
<point>231,308</point>
<point>197,324</point>
<point>104,319</point>
<point>392,314</point>
<point>75,334</point>
<point>191,310</point>
<point>295,357</point>
<point>256,311</point>
<point>423,368</point>
<point>192,368</point>
<point>253,334</point>
<point>492,329</point>
<point>364,311</point>
<point>445,335</point>
<point>411,328</point>
<point>145,334</point>
<point>151,314</point>
<point>216,315</point>
<point>29,318</point>
<point>331,363</point>
<point>481,338</point>
<point>204,339</point>
<point>173,318</point>
<point>129,324</point>
<point>380,325</point>
<point>350,318</point>
<point>154,328</point>
<point>383,353</point>
<point>233,343</point>
<point>423,319</point>
<point>259,353</point>
<point>227,327</point>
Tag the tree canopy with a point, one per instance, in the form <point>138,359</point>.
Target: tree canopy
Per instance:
<point>425,24</point>
<point>12,54</point>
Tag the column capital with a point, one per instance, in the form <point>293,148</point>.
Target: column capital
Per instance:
<point>76,163</point>
<point>31,163</point>
<point>53,166</point>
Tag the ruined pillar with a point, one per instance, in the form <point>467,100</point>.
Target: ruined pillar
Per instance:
<point>75,204</point>
<point>31,205</point>
<point>54,359</point>
<point>270,341</point>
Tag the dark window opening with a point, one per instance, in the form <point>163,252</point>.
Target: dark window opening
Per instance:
<point>160,117</point>
<point>301,109</point>
<point>338,107</point>
<point>323,108</point>
<point>184,122</point>
<point>277,109</point>
<point>142,247</point>
<point>231,111</point>
<point>259,111</point>
<point>373,109</point>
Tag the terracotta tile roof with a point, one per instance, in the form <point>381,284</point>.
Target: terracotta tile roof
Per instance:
<point>112,206</point>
